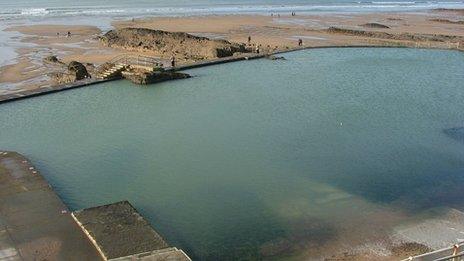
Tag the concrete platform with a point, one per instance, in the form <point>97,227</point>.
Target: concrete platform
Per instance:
<point>119,232</point>
<point>34,222</point>
<point>24,94</point>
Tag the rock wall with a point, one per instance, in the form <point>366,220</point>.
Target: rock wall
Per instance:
<point>167,44</point>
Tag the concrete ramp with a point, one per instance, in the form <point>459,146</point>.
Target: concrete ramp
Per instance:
<point>119,232</point>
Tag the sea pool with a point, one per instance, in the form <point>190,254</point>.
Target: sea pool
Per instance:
<point>259,158</point>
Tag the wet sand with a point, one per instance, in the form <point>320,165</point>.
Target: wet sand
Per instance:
<point>29,72</point>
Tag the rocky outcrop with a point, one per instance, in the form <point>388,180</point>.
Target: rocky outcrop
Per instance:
<point>167,44</point>
<point>79,70</point>
<point>446,21</point>
<point>402,36</point>
<point>375,25</point>
<point>74,71</point>
<point>144,78</point>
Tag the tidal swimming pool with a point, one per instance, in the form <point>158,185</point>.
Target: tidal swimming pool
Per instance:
<point>259,158</point>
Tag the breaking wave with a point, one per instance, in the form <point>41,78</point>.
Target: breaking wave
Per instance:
<point>135,11</point>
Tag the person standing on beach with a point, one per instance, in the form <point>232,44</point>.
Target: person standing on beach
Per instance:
<point>300,42</point>
<point>68,34</point>
<point>173,61</point>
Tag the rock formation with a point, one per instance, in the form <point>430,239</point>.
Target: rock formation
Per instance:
<point>402,36</point>
<point>381,38</point>
<point>78,70</point>
<point>446,21</point>
<point>141,77</point>
<point>167,44</point>
<point>74,71</point>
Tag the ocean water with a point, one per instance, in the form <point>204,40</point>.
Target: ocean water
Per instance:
<point>260,158</point>
<point>122,8</point>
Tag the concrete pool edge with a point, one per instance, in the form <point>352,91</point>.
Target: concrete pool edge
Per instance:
<point>34,222</point>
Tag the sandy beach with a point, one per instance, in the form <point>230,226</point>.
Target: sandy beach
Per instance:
<point>274,32</point>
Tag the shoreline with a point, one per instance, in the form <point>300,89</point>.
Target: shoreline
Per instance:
<point>25,94</point>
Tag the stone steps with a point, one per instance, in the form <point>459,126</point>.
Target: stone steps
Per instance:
<point>112,71</point>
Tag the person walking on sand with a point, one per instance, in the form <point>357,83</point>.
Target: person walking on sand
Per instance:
<point>68,34</point>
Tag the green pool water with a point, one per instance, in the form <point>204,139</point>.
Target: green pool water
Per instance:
<point>260,158</point>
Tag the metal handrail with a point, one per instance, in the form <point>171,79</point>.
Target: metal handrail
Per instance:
<point>140,60</point>
<point>452,257</point>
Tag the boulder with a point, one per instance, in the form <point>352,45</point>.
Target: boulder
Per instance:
<point>79,70</point>
<point>74,71</point>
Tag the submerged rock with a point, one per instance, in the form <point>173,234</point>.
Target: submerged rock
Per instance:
<point>153,77</point>
<point>455,133</point>
<point>167,44</point>
<point>273,57</point>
